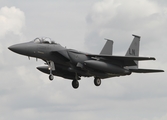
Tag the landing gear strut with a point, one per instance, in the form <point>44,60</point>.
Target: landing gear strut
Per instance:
<point>51,67</point>
<point>97,81</point>
<point>75,83</point>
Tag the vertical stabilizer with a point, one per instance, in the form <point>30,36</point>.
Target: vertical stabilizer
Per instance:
<point>134,49</point>
<point>108,48</point>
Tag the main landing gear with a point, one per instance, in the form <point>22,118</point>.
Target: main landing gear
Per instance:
<point>97,81</point>
<point>75,83</point>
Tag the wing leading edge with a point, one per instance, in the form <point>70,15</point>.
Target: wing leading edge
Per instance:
<point>122,57</point>
<point>124,60</point>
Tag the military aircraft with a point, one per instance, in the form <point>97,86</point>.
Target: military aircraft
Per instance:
<point>72,64</point>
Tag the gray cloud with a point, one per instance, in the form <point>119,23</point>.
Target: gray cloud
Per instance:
<point>26,93</point>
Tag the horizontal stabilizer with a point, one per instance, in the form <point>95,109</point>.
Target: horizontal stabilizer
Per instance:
<point>145,70</point>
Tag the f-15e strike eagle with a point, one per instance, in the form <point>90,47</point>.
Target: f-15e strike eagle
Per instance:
<point>72,64</point>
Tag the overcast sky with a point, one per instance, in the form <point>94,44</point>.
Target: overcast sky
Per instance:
<point>27,94</point>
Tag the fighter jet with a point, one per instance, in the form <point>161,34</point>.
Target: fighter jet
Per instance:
<point>72,64</point>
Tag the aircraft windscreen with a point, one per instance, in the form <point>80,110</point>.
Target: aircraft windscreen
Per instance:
<point>44,40</point>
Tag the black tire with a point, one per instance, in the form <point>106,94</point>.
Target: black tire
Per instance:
<point>75,84</point>
<point>51,77</point>
<point>97,81</point>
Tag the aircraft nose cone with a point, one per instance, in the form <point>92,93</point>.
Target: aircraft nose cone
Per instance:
<point>15,48</point>
<point>12,48</point>
<point>26,49</point>
<point>22,48</point>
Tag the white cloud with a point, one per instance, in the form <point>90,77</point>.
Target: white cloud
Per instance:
<point>126,15</point>
<point>12,20</point>
<point>117,19</point>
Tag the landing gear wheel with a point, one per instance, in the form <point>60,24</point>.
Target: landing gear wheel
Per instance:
<point>51,77</point>
<point>75,84</point>
<point>97,81</point>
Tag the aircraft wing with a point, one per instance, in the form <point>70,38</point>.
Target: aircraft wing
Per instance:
<point>125,60</point>
<point>122,57</point>
<point>145,70</point>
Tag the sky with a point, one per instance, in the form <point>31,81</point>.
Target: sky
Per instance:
<point>27,94</point>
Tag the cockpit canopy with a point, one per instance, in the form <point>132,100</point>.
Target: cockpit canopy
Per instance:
<point>44,40</point>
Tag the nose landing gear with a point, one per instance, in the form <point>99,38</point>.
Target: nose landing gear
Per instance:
<point>51,77</point>
<point>51,68</point>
